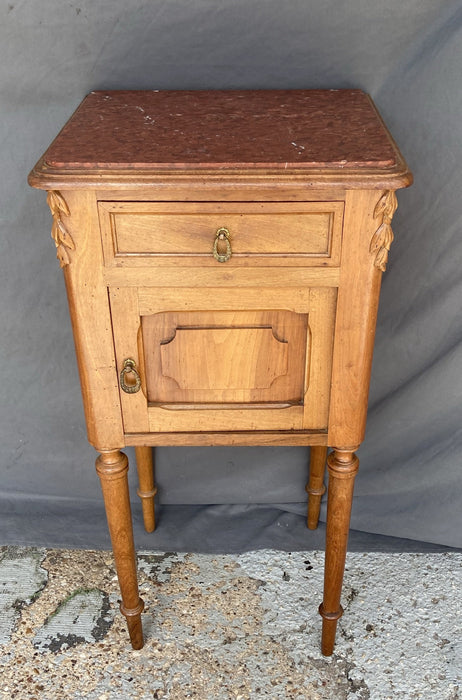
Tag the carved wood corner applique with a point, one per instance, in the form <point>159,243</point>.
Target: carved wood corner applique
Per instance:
<point>383,237</point>
<point>60,235</point>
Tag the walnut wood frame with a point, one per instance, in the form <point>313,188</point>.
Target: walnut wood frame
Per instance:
<point>340,294</point>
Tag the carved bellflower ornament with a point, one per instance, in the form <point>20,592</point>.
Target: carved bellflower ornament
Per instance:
<point>60,235</point>
<point>383,237</point>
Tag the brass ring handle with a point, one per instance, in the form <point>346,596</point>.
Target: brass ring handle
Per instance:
<point>130,367</point>
<point>222,235</point>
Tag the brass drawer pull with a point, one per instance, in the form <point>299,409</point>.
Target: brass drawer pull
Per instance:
<point>130,368</point>
<point>222,235</point>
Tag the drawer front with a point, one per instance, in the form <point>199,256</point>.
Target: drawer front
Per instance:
<point>208,361</point>
<point>268,233</point>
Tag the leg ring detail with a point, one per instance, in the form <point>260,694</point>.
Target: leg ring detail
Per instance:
<point>315,492</point>
<point>132,612</point>
<point>331,615</point>
<point>147,494</point>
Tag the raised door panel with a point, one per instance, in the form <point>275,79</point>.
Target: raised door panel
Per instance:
<point>225,357</point>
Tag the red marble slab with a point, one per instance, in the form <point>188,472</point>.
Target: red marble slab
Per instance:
<point>152,129</point>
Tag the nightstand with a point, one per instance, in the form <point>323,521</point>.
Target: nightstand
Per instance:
<point>223,252</point>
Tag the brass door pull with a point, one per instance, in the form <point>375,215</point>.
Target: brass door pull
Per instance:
<point>222,235</point>
<point>130,368</point>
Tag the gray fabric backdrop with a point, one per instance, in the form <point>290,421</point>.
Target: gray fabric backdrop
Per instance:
<point>408,55</point>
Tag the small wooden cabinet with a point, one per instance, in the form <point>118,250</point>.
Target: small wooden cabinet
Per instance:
<point>223,252</point>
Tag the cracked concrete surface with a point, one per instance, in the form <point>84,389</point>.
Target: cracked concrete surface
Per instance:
<point>229,627</point>
<point>85,616</point>
<point>21,580</point>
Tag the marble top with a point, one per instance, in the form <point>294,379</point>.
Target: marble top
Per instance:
<point>282,129</point>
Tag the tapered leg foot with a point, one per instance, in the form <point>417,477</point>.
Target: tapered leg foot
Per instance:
<point>343,466</point>
<point>329,629</point>
<point>315,487</point>
<point>135,629</point>
<point>112,468</point>
<point>147,488</point>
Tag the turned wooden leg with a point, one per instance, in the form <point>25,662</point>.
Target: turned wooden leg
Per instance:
<point>342,466</point>
<point>315,487</point>
<point>112,468</point>
<point>147,489</point>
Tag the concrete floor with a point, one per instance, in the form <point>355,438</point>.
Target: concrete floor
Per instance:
<point>235,626</point>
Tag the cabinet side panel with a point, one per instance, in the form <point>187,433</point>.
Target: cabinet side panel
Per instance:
<point>357,304</point>
<point>91,323</point>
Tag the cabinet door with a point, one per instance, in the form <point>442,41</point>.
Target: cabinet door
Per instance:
<point>225,359</point>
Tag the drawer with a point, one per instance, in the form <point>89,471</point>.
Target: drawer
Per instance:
<point>249,233</point>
